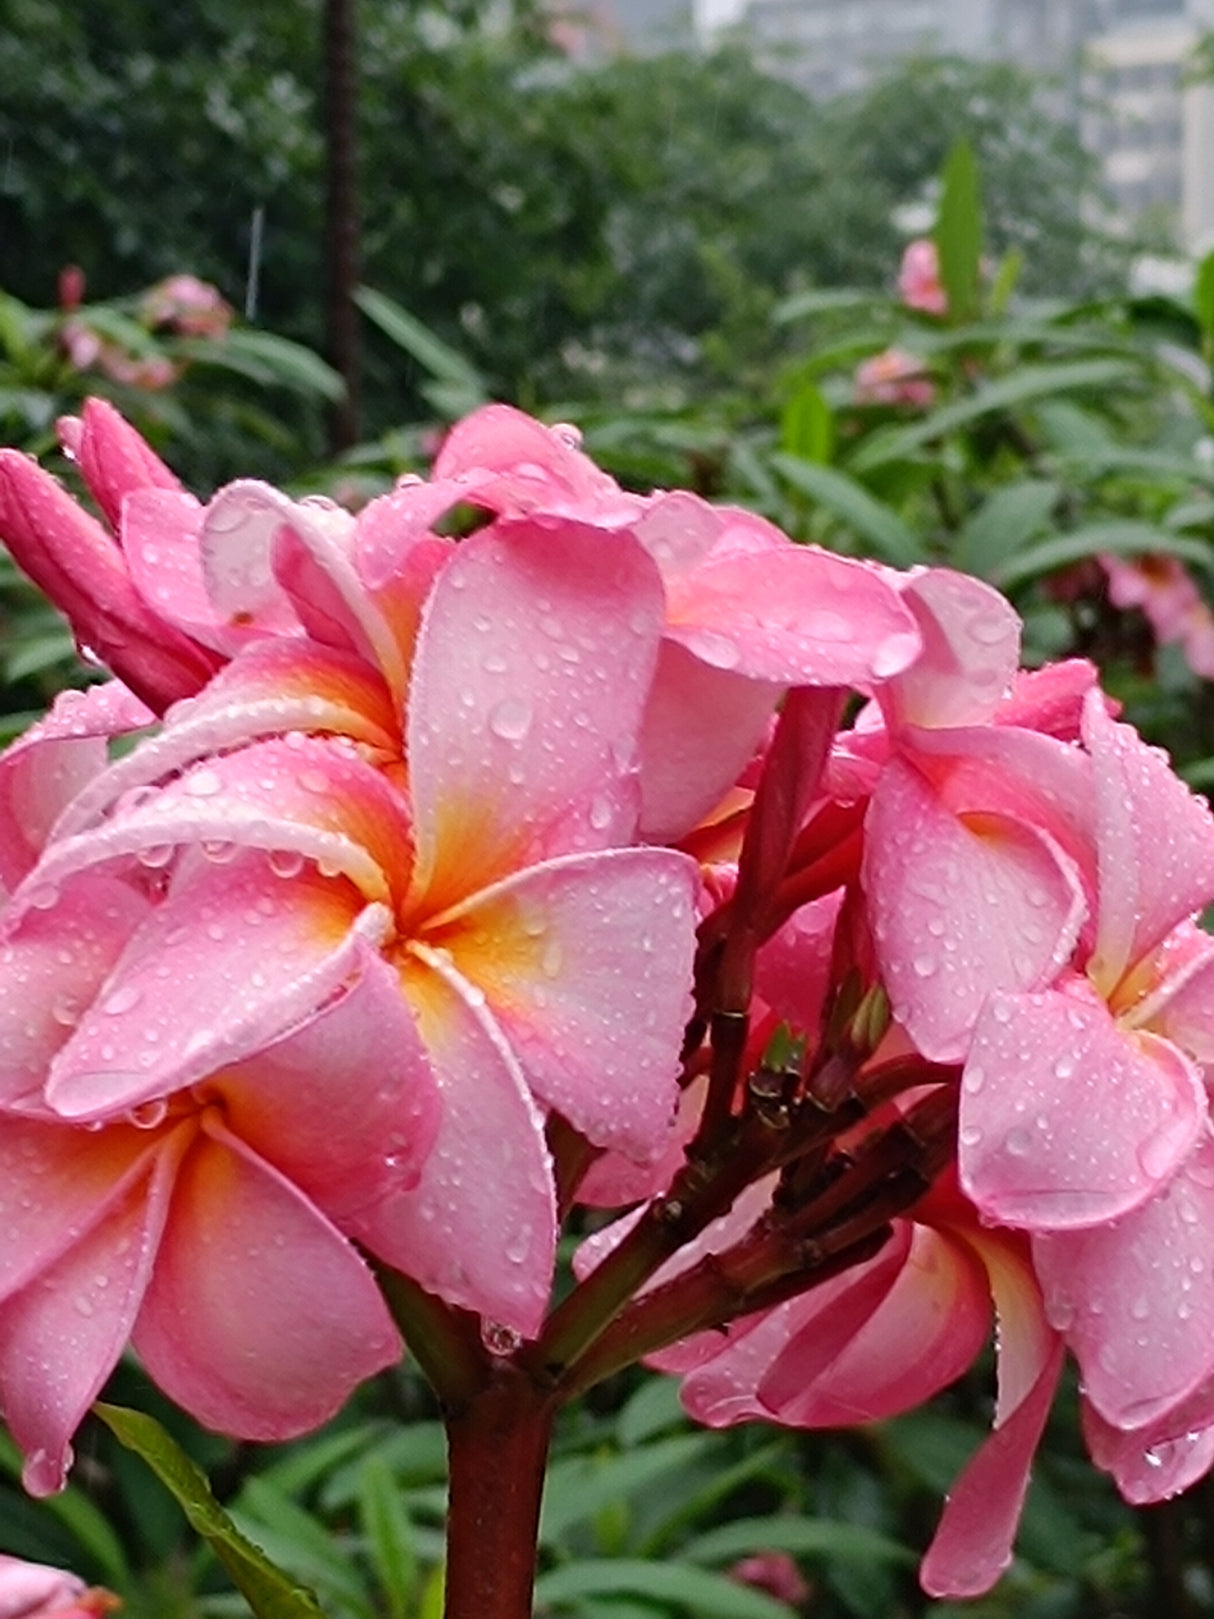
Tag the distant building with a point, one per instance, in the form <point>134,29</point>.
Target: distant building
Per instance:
<point>1154,132</point>
<point>1118,67</point>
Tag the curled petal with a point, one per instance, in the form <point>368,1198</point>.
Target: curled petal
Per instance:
<point>919,1333</point>
<point>971,648</point>
<point>1066,1120</point>
<point>228,962</point>
<point>1135,1298</point>
<point>1155,841</point>
<point>299,798</point>
<point>272,687</point>
<point>973,1544</point>
<point>961,906</point>
<point>260,1319</point>
<point>793,616</point>
<point>48,765</point>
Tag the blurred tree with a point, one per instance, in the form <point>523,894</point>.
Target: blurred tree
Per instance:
<point>885,146</point>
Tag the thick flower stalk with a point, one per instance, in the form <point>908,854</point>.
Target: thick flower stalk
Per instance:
<point>440,887</point>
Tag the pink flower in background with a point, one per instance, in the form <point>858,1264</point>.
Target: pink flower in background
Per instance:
<point>919,284</point>
<point>186,305</point>
<point>1177,612</point>
<point>36,1591</point>
<point>773,1572</point>
<point>893,377</point>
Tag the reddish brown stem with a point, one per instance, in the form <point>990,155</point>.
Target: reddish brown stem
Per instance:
<point>498,1450</point>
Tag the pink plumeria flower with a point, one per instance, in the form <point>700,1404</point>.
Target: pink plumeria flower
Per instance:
<point>497,889</point>
<point>747,613</point>
<point>1174,607</point>
<point>37,1591</point>
<point>919,284</point>
<point>1084,1116</point>
<point>893,377</point>
<point>975,837</point>
<point>82,568</point>
<point>187,305</point>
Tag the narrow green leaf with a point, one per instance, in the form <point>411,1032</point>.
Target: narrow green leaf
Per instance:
<point>267,359</point>
<point>1004,284</point>
<point>653,1409</point>
<point>1203,296</point>
<point>708,1596</point>
<point>1122,538</point>
<point>578,1486</point>
<point>958,232</point>
<point>270,1593</point>
<point>821,301</point>
<point>1022,387</point>
<point>443,362</point>
<point>803,1537</point>
<point>876,524</point>
<point>807,425</point>
<point>389,1535</point>
<point>1004,522</point>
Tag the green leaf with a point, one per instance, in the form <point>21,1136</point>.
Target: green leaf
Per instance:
<point>1122,538</point>
<point>1021,387</point>
<point>653,1409</point>
<point>270,1593</point>
<point>876,524</point>
<point>807,425</point>
<point>708,1596</point>
<point>578,1486</point>
<point>820,301</point>
<point>444,363</point>
<point>385,1523</point>
<point>268,360</point>
<point>958,232</point>
<point>803,1537</point>
<point>1203,296</point>
<point>1001,525</point>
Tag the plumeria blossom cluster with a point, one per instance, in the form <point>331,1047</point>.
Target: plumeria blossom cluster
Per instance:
<point>401,893</point>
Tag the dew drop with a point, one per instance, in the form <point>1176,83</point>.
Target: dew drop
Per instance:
<point>204,784</point>
<point>510,719</point>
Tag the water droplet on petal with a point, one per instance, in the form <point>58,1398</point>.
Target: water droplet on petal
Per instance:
<point>510,719</point>
<point>203,783</point>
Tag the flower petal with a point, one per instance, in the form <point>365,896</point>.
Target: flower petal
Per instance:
<point>299,797</point>
<point>359,1060</point>
<point>793,615</point>
<point>971,649</point>
<point>973,1544</point>
<point>858,1359</point>
<point>1066,1120</point>
<point>961,906</point>
<point>260,1319</point>
<point>1155,841</point>
<point>51,968</point>
<point>61,1336</point>
<point>701,728</point>
<point>1135,1298</point>
<point>480,1228</point>
<point>232,958</point>
<point>48,765</point>
<point>566,954</point>
<point>533,664</point>
<point>272,687</point>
